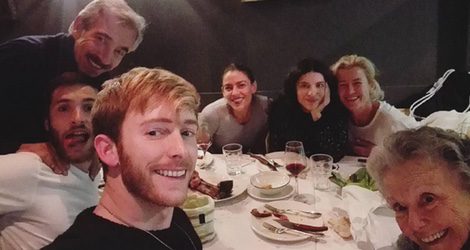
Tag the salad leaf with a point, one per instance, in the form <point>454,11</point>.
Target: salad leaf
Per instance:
<point>360,178</point>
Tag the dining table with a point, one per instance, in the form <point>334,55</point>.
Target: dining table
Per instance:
<point>234,224</point>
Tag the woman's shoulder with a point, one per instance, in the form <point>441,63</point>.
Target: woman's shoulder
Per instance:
<point>215,107</point>
<point>395,115</point>
<point>263,102</point>
<point>280,106</point>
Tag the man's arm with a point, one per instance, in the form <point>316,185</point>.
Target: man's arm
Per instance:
<point>48,155</point>
<point>18,181</point>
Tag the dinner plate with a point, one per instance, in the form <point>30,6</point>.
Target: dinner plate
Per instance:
<point>206,161</point>
<point>255,193</point>
<point>257,223</point>
<point>215,175</point>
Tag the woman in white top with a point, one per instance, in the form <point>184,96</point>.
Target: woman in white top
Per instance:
<point>371,118</point>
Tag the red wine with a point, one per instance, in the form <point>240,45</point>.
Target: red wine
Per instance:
<point>295,168</point>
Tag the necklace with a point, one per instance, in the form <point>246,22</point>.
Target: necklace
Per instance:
<point>148,232</point>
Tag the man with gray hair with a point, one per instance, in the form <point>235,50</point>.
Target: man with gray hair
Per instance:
<point>98,39</point>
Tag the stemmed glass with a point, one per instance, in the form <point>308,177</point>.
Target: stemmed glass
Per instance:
<point>296,162</point>
<point>203,139</point>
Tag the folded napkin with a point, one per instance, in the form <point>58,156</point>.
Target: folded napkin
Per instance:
<point>373,224</point>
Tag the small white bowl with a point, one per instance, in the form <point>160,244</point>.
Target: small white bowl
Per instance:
<point>270,182</point>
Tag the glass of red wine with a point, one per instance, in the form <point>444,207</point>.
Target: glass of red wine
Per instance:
<point>296,162</point>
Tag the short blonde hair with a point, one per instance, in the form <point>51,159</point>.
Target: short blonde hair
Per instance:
<point>92,11</point>
<point>350,61</point>
<point>136,90</point>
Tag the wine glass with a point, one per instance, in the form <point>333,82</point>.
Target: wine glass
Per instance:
<point>296,162</point>
<point>203,139</point>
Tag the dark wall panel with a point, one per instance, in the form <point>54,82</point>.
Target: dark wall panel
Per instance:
<point>196,39</point>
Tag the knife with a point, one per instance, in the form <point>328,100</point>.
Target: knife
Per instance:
<point>308,214</point>
<point>263,161</point>
<point>279,230</point>
<point>301,227</point>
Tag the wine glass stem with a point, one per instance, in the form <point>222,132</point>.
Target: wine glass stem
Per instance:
<point>296,186</point>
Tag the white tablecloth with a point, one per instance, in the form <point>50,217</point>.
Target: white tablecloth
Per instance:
<point>233,218</point>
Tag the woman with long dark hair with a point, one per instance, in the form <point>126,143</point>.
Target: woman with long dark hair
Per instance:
<point>309,111</point>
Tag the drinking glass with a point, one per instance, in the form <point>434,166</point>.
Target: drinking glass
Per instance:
<point>296,162</point>
<point>233,154</point>
<point>322,165</point>
<point>203,139</point>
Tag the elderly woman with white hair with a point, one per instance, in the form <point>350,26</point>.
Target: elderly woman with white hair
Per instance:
<point>371,118</point>
<point>424,175</point>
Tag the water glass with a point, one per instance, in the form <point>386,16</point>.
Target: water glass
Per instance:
<point>233,158</point>
<point>322,165</point>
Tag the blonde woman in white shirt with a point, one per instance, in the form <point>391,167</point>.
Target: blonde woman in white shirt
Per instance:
<point>371,118</point>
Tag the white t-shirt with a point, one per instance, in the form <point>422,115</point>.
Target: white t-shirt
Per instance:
<point>36,205</point>
<point>386,121</point>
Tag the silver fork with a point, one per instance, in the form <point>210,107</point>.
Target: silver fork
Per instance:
<point>309,214</point>
<point>282,230</point>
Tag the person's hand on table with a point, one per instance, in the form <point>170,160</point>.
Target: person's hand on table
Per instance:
<point>48,155</point>
<point>316,113</point>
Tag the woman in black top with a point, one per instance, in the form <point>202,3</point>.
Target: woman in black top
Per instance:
<point>309,111</point>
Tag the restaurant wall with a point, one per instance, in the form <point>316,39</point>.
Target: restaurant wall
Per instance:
<point>197,38</point>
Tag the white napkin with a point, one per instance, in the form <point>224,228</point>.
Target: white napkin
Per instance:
<point>373,224</point>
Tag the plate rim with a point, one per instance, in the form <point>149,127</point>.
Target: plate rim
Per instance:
<point>269,198</point>
<point>273,236</point>
<point>207,160</point>
<point>244,182</point>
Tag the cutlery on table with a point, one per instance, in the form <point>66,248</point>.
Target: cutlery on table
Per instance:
<point>277,165</point>
<point>301,227</point>
<point>264,161</point>
<point>308,214</point>
<point>281,230</point>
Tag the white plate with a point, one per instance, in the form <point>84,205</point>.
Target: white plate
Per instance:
<point>206,161</point>
<point>214,175</point>
<point>257,223</point>
<point>285,193</point>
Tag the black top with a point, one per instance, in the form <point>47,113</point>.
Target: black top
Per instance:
<point>287,121</point>
<point>27,64</point>
<point>90,231</point>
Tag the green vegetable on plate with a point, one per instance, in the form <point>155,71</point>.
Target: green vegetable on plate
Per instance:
<point>360,178</point>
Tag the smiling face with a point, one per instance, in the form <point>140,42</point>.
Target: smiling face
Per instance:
<point>310,90</point>
<point>69,122</point>
<point>102,47</point>
<point>430,206</point>
<point>353,88</point>
<point>238,90</point>
<point>158,153</point>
